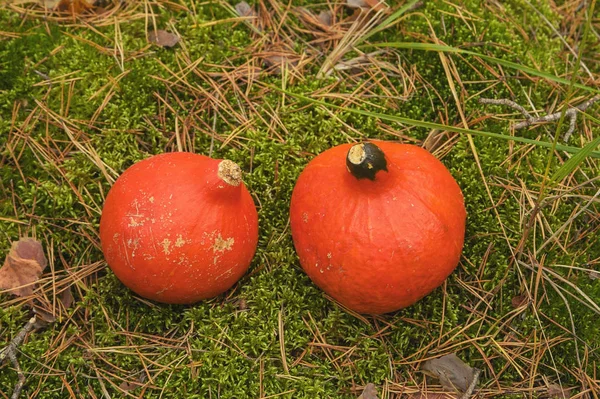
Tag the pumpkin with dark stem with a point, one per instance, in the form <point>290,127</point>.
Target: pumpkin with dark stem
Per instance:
<point>179,227</point>
<point>377,225</point>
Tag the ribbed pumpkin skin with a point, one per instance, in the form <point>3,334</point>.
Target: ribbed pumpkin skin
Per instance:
<point>173,231</point>
<point>378,246</point>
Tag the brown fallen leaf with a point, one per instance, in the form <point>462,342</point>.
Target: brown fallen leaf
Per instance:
<point>278,57</point>
<point>163,38</point>
<point>128,386</point>
<point>323,21</point>
<point>245,10</point>
<point>594,275</point>
<point>46,313</point>
<point>66,298</point>
<point>555,391</point>
<point>519,301</point>
<point>452,372</point>
<point>23,266</point>
<point>370,392</point>
<point>276,61</point>
<point>326,18</point>
<point>43,317</point>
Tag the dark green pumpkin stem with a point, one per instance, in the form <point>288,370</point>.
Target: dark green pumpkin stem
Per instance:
<point>365,160</point>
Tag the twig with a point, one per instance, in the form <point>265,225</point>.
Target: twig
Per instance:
<point>508,103</point>
<point>472,386</point>
<point>10,352</point>
<point>570,113</point>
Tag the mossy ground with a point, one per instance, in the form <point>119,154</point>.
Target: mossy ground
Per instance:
<point>120,101</point>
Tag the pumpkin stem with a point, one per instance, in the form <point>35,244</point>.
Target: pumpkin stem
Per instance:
<point>365,160</point>
<point>230,172</point>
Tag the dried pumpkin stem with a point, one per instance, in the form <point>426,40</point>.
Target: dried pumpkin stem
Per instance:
<point>365,160</point>
<point>230,172</point>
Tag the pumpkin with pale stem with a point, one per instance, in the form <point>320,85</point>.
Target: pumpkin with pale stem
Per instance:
<point>179,227</point>
<point>377,225</point>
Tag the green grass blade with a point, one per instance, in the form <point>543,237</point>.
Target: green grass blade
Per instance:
<point>386,23</point>
<point>433,125</point>
<point>508,64</point>
<point>575,161</point>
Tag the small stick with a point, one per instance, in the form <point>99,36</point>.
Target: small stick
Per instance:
<point>570,113</point>
<point>10,352</point>
<point>508,103</point>
<point>472,386</point>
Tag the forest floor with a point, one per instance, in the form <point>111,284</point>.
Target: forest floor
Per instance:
<point>87,92</point>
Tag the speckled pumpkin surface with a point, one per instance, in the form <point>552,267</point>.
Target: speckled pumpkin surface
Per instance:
<point>179,227</point>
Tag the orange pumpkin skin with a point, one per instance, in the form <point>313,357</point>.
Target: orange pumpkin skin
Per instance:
<point>175,228</point>
<point>379,245</point>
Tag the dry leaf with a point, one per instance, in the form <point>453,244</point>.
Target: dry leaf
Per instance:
<point>163,38</point>
<point>594,275</point>
<point>132,385</point>
<point>519,300</point>
<point>44,317</point>
<point>244,10</point>
<point>377,5</point>
<point>555,391</point>
<point>452,372</point>
<point>323,20</point>
<point>23,266</point>
<point>277,58</point>
<point>370,392</point>
<point>66,298</point>
<point>326,18</point>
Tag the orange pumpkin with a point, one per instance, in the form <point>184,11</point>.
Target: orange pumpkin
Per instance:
<point>179,227</point>
<point>377,225</point>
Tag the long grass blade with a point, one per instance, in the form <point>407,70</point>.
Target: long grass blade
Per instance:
<point>433,125</point>
<point>508,64</point>
<point>389,21</point>
<point>575,161</point>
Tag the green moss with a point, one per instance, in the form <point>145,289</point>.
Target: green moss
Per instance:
<point>228,351</point>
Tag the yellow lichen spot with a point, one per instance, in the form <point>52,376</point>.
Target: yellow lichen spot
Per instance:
<point>135,223</point>
<point>180,241</point>
<point>151,199</point>
<point>166,246</point>
<point>222,245</point>
<point>329,255</point>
